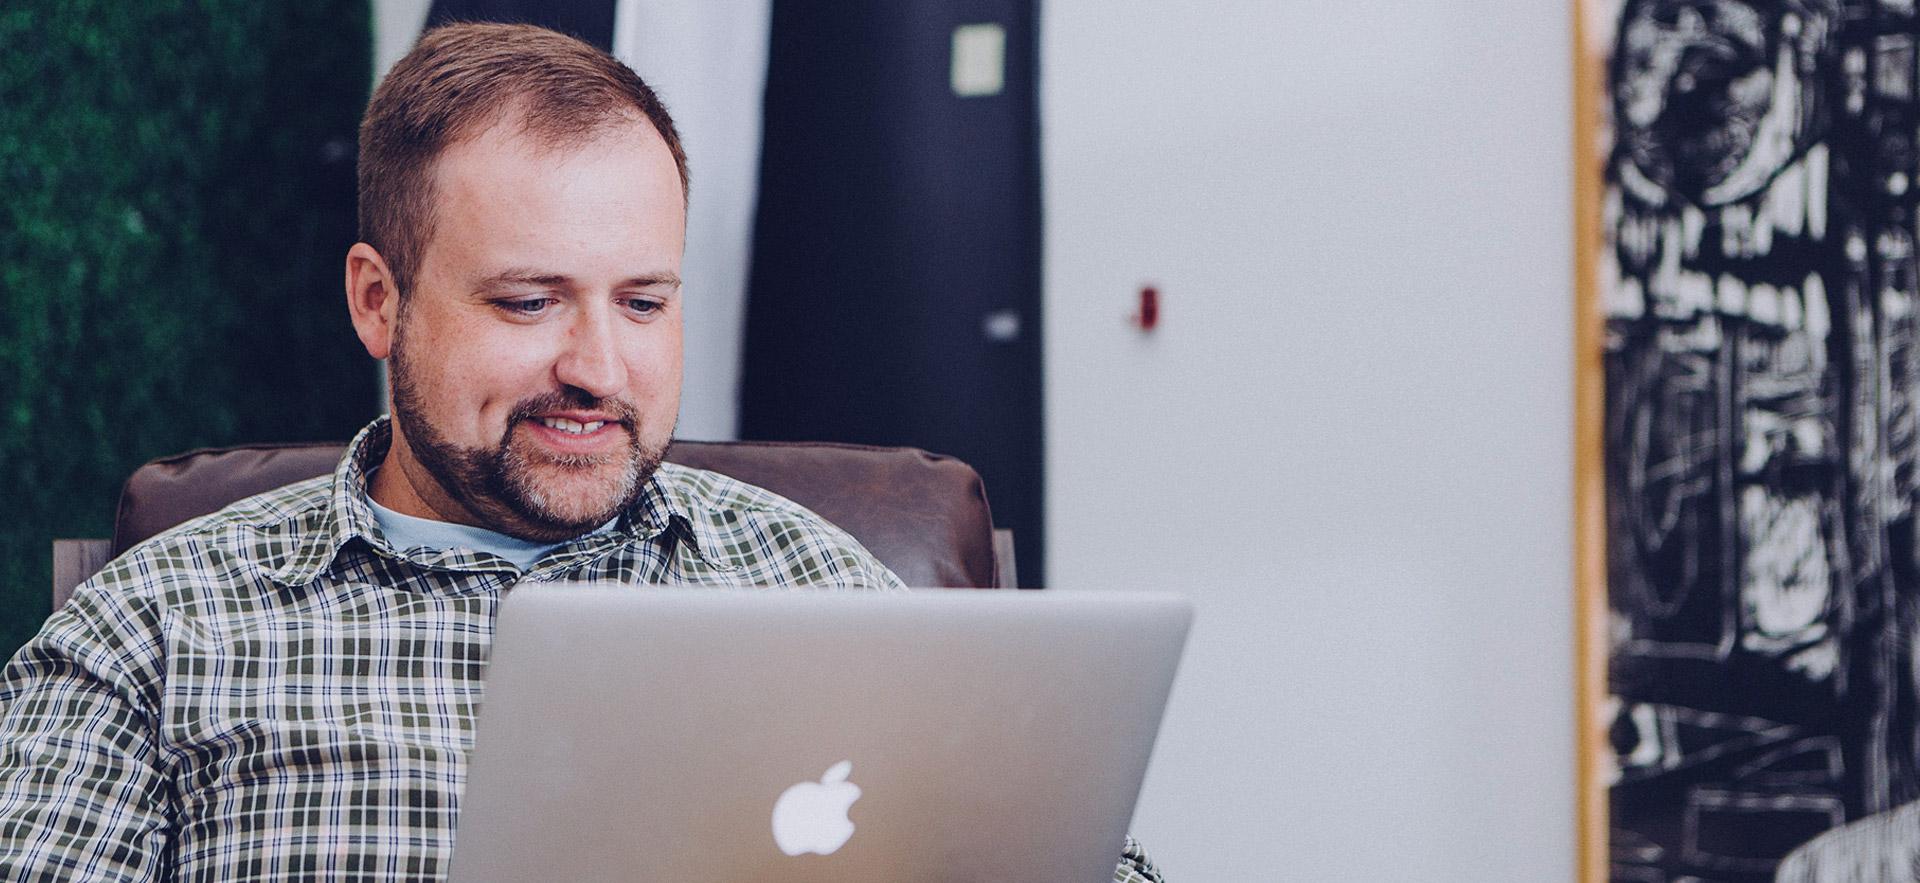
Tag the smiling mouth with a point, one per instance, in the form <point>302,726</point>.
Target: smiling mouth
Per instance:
<point>572,427</point>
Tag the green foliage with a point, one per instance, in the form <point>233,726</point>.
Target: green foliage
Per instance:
<point>176,200</point>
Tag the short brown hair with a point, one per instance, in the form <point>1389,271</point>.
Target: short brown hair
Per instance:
<point>460,78</point>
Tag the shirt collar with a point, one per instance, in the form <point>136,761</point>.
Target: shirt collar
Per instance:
<point>663,506</point>
<point>671,503</point>
<point>346,515</point>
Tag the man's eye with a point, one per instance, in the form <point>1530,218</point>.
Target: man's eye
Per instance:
<point>643,307</point>
<point>531,306</point>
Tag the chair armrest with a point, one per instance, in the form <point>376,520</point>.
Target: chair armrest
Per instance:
<point>73,562</point>
<point>1005,575</point>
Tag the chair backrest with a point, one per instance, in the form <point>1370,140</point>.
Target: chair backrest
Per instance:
<point>923,515</point>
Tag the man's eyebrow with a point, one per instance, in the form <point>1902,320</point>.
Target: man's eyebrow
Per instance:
<point>536,279</point>
<point>650,280</point>
<point>522,278</point>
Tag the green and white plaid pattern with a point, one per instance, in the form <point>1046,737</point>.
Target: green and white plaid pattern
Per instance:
<point>272,692</point>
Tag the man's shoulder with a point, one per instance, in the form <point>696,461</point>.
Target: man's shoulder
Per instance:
<point>194,570</point>
<point>714,492</point>
<point>720,502</point>
<point>289,509</point>
<point>261,531</point>
<point>767,535</point>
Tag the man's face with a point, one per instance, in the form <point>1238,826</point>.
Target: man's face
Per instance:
<point>536,360</point>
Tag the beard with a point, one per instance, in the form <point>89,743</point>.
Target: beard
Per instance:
<point>517,489</point>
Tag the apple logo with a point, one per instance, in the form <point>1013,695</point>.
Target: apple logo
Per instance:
<point>812,816</point>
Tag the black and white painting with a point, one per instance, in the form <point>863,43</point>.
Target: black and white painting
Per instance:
<point>1762,425</point>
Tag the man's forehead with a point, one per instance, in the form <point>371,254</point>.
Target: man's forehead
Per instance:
<point>517,136</point>
<point>524,195</point>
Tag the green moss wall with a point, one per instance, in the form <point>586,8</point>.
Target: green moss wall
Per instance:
<point>176,200</point>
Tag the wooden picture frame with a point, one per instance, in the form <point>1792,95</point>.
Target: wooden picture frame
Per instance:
<point>1747,472</point>
<point>1589,493</point>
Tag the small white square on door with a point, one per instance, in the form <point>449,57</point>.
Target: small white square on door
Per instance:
<point>979,60</point>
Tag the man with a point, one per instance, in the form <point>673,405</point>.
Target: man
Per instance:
<point>286,688</point>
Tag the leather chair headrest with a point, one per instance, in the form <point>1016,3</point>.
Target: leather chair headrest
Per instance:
<point>923,515</point>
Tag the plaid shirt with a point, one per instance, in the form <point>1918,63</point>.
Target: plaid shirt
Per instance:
<point>273,692</point>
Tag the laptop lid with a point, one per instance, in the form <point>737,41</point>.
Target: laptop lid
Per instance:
<point>725,735</point>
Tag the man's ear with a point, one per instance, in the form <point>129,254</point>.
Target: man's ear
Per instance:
<point>372,299</point>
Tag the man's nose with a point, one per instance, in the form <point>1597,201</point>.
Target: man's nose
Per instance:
<point>590,360</point>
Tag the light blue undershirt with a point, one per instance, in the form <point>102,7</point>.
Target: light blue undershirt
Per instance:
<point>408,532</point>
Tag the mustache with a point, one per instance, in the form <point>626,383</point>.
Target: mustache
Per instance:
<point>623,411</point>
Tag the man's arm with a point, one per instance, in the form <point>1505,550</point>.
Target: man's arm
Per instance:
<point>1885,846</point>
<point>83,794</point>
<point>1135,866</point>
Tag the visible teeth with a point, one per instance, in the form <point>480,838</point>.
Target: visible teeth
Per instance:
<point>572,426</point>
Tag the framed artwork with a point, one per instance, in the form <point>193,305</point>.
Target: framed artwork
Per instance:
<point>1748,391</point>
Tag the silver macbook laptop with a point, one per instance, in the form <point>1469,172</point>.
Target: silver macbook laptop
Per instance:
<point>729,735</point>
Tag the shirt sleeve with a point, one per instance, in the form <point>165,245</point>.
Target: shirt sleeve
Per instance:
<point>83,793</point>
<point>874,575</point>
<point>1135,866</point>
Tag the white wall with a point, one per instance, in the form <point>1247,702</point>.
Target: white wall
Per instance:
<point>708,62</point>
<point>396,24</point>
<point>1350,441</point>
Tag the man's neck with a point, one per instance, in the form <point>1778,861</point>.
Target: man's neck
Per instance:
<point>403,531</point>
<point>395,485</point>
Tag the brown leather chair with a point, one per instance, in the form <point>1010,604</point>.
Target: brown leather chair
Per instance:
<point>923,515</point>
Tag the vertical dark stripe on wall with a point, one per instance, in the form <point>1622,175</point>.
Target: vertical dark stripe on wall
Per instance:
<point>895,287</point>
<point>590,20</point>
